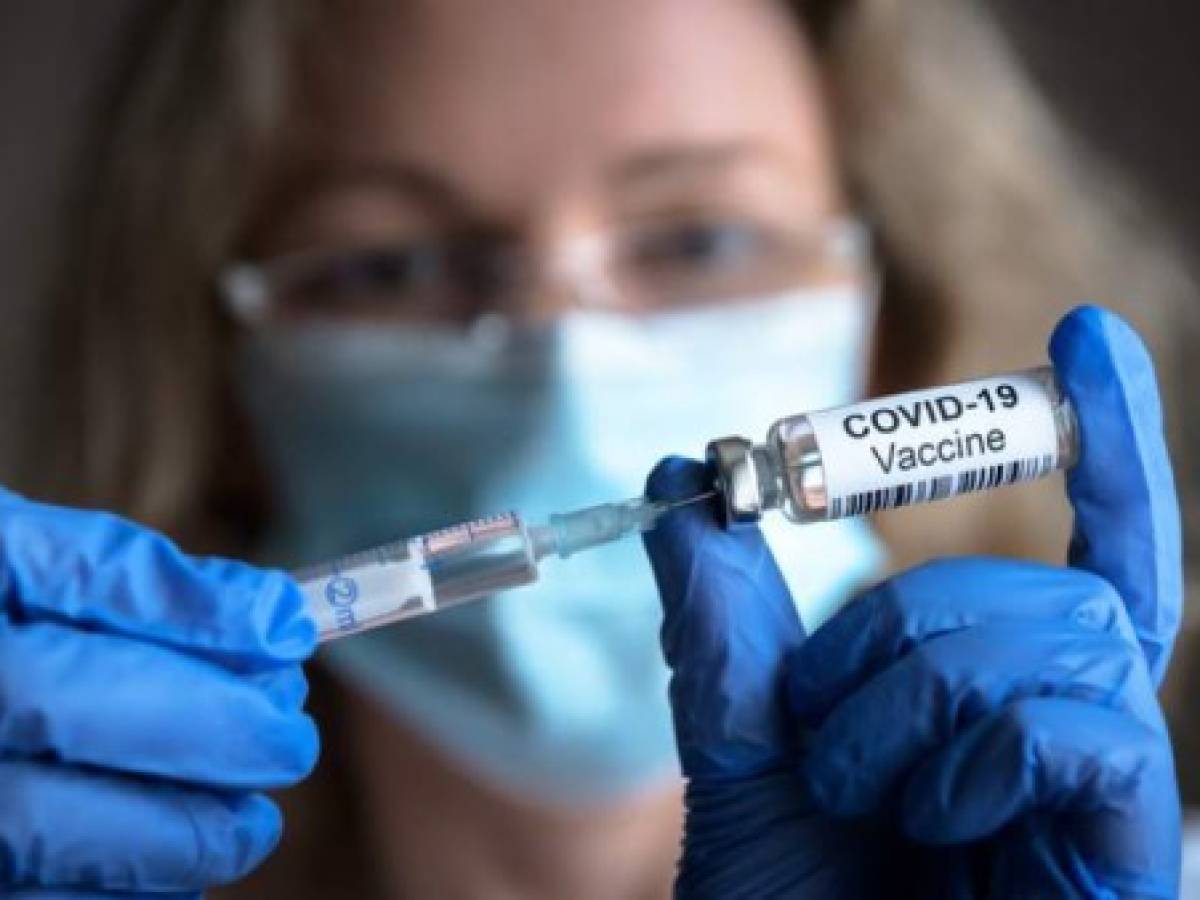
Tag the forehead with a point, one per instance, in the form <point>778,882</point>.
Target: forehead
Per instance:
<point>514,96</point>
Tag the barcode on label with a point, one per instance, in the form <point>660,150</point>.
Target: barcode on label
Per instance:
<point>942,486</point>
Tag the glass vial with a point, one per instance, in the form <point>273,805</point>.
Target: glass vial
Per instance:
<point>905,449</point>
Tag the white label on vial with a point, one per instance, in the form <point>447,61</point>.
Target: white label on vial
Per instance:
<point>931,444</point>
<point>367,589</point>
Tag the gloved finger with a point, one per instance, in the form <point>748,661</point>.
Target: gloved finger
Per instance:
<point>761,837</point>
<point>728,623</point>
<point>889,620</point>
<point>856,759</point>
<point>99,571</point>
<point>286,686</point>
<point>1126,513</point>
<point>1110,775</point>
<point>114,702</point>
<point>68,828</point>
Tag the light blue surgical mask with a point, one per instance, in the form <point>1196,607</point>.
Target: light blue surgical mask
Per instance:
<point>557,690</point>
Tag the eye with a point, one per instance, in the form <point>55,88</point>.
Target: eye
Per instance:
<point>358,280</point>
<point>701,246</point>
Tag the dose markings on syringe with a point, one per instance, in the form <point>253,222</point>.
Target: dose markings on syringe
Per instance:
<point>367,589</point>
<point>461,535</point>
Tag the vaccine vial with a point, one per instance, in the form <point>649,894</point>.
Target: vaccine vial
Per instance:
<point>905,449</point>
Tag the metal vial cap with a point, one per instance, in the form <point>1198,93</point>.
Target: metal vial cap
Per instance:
<point>732,459</point>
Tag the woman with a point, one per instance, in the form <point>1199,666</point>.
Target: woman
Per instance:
<point>710,152</point>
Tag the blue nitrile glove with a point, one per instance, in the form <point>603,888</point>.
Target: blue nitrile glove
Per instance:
<point>146,699</point>
<point>971,728</point>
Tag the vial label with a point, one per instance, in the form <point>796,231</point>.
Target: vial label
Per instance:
<point>361,591</point>
<point>932,444</point>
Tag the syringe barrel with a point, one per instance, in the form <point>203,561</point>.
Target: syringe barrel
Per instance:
<point>420,575</point>
<point>905,449</point>
<point>479,558</point>
<point>367,589</point>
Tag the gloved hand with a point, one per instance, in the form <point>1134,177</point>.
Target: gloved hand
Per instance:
<point>971,728</point>
<point>146,698</point>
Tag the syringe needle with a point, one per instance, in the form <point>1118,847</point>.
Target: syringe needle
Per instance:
<point>568,533</point>
<point>688,501</point>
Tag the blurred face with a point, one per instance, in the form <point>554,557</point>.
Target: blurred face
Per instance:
<point>461,157</point>
<point>458,158</point>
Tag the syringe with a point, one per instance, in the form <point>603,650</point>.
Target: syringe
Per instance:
<point>461,563</point>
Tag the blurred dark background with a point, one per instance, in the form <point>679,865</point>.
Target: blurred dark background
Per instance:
<point>1127,77</point>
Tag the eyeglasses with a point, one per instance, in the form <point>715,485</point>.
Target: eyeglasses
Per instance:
<point>458,279</point>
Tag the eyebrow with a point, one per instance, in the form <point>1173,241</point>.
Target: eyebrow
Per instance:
<point>438,195</point>
<point>415,183</point>
<point>676,160</point>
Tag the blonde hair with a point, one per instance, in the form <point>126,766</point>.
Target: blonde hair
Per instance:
<point>990,221</point>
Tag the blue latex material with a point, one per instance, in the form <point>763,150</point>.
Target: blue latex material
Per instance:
<point>970,728</point>
<point>146,700</point>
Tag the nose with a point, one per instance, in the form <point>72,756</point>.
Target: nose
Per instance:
<point>572,274</point>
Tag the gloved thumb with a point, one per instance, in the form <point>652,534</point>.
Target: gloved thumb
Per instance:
<point>1126,513</point>
<point>728,624</point>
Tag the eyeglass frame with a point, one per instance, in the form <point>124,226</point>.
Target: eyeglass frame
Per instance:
<point>246,287</point>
